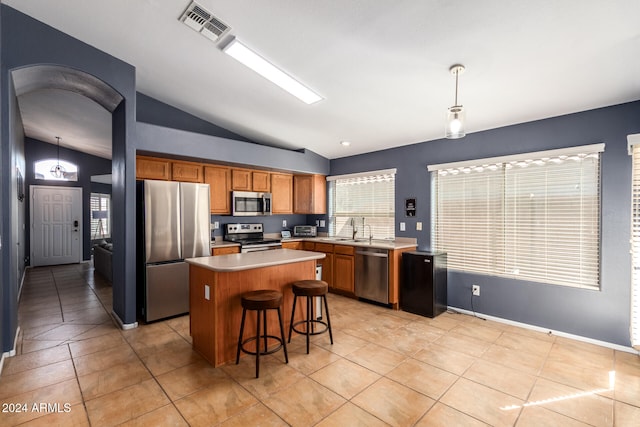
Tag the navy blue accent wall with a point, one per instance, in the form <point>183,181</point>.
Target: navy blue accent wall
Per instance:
<point>150,110</point>
<point>601,315</point>
<point>27,42</point>
<point>88,165</point>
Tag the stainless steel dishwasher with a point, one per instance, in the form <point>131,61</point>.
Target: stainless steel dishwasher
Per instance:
<point>372,274</point>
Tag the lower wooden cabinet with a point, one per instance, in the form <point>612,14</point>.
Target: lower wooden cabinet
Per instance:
<point>343,266</point>
<point>292,245</point>
<point>225,250</point>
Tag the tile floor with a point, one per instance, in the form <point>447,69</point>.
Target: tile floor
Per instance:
<point>385,368</point>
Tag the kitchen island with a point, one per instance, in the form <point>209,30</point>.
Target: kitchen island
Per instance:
<point>216,284</point>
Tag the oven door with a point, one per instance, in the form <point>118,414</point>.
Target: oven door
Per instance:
<point>256,248</point>
<point>246,203</point>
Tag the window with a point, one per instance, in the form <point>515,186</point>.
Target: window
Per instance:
<point>43,170</point>
<point>100,216</point>
<point>634,140</point>
<point>363,202</point>
<point>533,217</point>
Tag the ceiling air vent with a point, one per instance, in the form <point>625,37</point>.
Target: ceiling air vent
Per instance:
<point>198,18</point>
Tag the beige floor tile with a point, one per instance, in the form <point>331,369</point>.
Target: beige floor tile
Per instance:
<point>447,359</point>
<point>626,415</point>
<point>343,343</point>
<point>317,358</point>
<point>305,403</point>
<point>445,416</point>
<point>463,343</point>
<point>150,344</point>
<point>406,341</point>
<point>627,387</point>
<point>481,332</point>
<point>424,330</point>
<point>175,355</point>
<point>22,382</point>
<point>103,360</point>
<point>75,417</point>
<point>64,332</point>
<point>215,403</point>
<point>498,377</point>
<point>27,346</point>
<point>422,377</point>
<point>481,402</point>
<point>36,359</point>
<point>446,321</point>
<point>588,355</point>
<point>114,378</point>
<point>345,378</point>
<point>524,343</point>
<point>352,416</point>
<point>190,378</point>
<point>522,361</point>
<point>256,415</point>
<point>166,416</point>
<point>376,358</point>
<point>538,416</point>
<point>583,377</point>
<point>126,404</point>
<point>584,406</point>
<point>57,395</point>
<point>96,344</point>
<point>393,403</point>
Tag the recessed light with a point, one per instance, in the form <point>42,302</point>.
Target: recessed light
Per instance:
<point>257,63</point>
<point>345,143</point>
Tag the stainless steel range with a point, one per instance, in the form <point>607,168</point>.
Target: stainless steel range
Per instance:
<point>250,237</point>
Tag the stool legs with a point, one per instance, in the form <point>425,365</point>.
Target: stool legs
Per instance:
<point>261,317</point>
<point>293,312</point>
<point>326,310</point>
<point>309,321</point>
<point>284,346</point>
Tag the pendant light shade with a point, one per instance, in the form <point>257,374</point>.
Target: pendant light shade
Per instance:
<point>58,170</point>
<point>455,114</point>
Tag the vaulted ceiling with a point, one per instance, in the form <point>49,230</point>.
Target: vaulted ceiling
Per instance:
<point>382,66</point>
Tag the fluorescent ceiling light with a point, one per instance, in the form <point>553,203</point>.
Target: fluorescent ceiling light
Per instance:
<point>243,54</point>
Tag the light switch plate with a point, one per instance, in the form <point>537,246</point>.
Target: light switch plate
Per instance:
<point>322,223</point>
<point>419,226</point>
<point>216,225</point>
<point>403,226</point>
<point>284,223</point>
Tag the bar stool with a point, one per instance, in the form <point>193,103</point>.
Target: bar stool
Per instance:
<point>310,289</point>
<point>261,301</point>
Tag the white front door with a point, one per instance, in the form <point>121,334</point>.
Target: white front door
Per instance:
<point>56,225</point>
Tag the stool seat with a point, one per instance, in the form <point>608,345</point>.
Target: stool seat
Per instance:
<point>309,288</point>
<point>261,300</point>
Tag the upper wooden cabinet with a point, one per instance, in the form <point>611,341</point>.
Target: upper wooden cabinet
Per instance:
<point>309,194</point>
<point>241,180</point>
<point>153,168</point>
<point>187,172</point>
<point>281,193</point>
<point>219,180</point>
<point>261,181</point>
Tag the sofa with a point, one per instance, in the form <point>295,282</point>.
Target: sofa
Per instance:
<point>102,254</point>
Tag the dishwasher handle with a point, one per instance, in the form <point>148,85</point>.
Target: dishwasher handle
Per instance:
<point>377,254</point>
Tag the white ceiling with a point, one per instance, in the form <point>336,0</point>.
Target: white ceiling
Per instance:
<point>382,66</point>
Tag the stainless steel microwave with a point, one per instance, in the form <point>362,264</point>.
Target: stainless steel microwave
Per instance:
<point>247,203</point>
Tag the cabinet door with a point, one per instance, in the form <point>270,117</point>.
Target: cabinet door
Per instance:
<point>308,246</point>
<point>219,180</point>
<point>225,250</point>
<point>240,179</point>
<point>153,168</point>
<point>282,193</point>
<point>292,245</point>
<point>186,172</point>
<point>343,266</point>
<point>261,181</point>
<point>309,194</point>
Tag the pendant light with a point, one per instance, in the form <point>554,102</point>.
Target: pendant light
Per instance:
<point>455,114</point>
<point>58,170</point>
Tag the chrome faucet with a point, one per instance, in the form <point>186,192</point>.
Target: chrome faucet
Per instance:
<point>355,229</point>
<point>370,233</point>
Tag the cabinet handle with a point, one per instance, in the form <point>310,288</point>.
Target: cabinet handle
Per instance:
<point>427,260</point>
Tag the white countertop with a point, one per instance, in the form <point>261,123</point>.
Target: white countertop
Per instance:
<point>247,261</point>
<point>398,243</point>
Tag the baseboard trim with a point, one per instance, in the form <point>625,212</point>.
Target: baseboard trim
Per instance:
<point>121,324</point>
<point>12,352</point>
<point>547,330</point>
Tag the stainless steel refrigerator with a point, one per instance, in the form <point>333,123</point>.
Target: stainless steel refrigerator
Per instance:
<point>173,224</point>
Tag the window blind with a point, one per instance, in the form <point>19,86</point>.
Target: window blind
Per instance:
<point>635,247</point>
<point>364,202</point>
<point>534,217</point>
<point>100,216</point>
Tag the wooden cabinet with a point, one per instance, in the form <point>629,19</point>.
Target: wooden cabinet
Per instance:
<point>240,179</point>
<point>292,245</point>
<point>219,180</point>
<point>153,168</point>
<point>281,193</point>
<point>225,250</point>
<point>395,265</point>
<point>308,246</point>
<point>343,268</point>
<point>186,172</point>
<point>310,194</point>
<point>261,181</point>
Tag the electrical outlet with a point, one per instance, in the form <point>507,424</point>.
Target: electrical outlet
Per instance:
<point>403,226</point>
<point>284,223</point>
<point>216,225</point>
<point>322,223</point>
<point>475,290</point>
